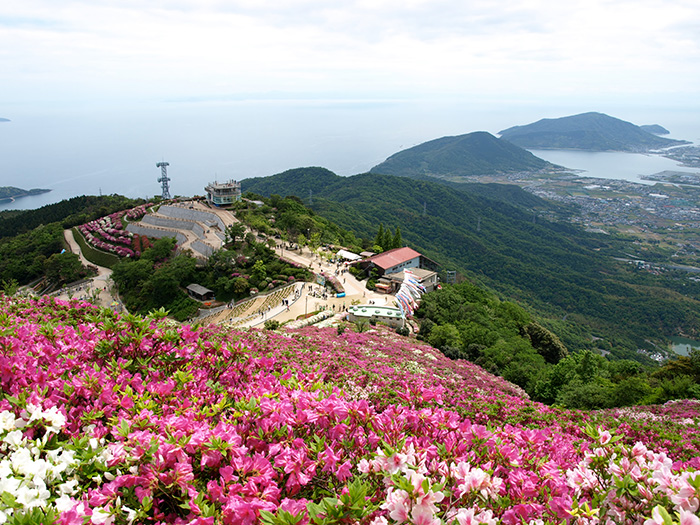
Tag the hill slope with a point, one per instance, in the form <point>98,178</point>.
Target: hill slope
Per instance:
<point>587,131</point>
<point>133,420</point>
<point>478,153</point>
<point>556,268</point>
<point>655,129</point>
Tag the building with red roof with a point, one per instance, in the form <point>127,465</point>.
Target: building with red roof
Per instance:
<point>396,260</point>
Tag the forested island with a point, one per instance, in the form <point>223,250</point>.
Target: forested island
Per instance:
<point>589,132</point>
<point>10,193</point>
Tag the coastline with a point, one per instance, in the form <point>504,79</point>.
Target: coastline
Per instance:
<point>27,193</point>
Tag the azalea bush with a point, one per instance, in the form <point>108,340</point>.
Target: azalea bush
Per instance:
<point>119,420</point>
<point>107,234</point>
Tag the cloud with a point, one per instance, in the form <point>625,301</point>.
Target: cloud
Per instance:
<point>129,49</point>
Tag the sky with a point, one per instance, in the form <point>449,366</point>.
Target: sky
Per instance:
<point>106,53</point>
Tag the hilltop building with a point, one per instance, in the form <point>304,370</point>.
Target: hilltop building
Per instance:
<point>223,194</point>
<point>392,282</point>
<point>386,314</point>
<point>393,261</point>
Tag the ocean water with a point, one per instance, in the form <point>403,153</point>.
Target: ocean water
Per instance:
<point>88,150</point>
<point>613,164</point>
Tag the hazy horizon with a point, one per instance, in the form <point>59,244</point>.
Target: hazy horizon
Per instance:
<point>89,153</point>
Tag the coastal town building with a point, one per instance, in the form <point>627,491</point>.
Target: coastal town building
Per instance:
<point>223,193</point>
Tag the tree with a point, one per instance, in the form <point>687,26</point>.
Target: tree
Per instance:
<point>259,271</point>
<point>161,250</point>
<point>397,241</point>
<point>233,232</point>
<point>545,342</point>
<point>387,240</point>
<point>130,274</point>
<point>9,287</point>
<point>240,285</point>
<point>301,240</point>
<point>444,335</point>
<point>379,239</point>
<point>63,268</point>
<point>315,240</point>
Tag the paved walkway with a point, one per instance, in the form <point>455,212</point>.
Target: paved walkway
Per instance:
<point>100,285</point>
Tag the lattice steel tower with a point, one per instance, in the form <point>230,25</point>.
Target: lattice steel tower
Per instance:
<point>164,179</point>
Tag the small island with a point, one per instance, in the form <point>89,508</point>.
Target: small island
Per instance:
<point>4,119</point>
<point>10,193</point>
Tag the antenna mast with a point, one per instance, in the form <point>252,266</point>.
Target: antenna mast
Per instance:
<point>164,179</point>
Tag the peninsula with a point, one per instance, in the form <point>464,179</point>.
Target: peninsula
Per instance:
<point>588,132</point>
<point>10,193</point>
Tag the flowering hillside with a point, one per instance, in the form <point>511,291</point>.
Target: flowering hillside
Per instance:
<point>135,420</point>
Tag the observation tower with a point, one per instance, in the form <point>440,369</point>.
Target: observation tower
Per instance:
<point>164,179</point>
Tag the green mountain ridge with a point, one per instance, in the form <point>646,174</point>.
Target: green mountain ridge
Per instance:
<point>478,153</point>
<point>558,269</point>
<point>588,131</point>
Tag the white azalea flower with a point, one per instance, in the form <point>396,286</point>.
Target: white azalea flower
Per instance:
<point>27,497</point>
<point>7,421</point>
<point>64,503</point>
<point>55,418</point>
<point>101,517</point>
<point>130,514</point>
<point>13,438</point>
<point>69,487</point>
<point>8,483</point>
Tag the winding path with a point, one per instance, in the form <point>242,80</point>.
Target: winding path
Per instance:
<point>100,281</point>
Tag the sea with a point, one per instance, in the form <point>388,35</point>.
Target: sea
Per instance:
<point>98,150</point>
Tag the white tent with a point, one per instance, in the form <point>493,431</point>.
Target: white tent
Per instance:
<point>344,254</point>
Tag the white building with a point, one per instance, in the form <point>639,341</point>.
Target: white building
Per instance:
<point>385,314</point>
<point>223,194</point>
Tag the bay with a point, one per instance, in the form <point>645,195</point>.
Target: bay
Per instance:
<point>683,345</point>
<point>612,164</point>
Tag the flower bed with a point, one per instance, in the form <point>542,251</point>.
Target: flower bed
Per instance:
<point>335,283</point>
<point>108,234</point>
<point>129,420</point>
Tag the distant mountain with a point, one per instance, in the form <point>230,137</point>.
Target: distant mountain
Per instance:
<point>587,131</point>
<point>655,129</point>
<point>4,119</point>
<point>556,268</point>
<point>478,153</point>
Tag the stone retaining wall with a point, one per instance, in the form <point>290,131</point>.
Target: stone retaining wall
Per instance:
<point>192,215</point>
<point>202,248</point>
<point>154,232</point>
